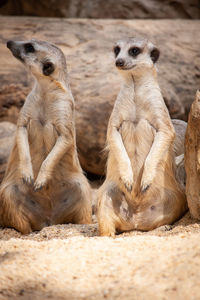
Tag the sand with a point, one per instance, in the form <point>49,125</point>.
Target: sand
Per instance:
<point>73,262</point>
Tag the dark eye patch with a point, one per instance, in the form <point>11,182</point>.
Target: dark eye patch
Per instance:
<point>29,48</point>
<point>155,53</point>
<point>48,68</point>
<point>116,50</point>
<point>134,51</point>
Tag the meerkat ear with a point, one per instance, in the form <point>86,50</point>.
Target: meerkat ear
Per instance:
<point>155,53</point>
<point>48,68</point>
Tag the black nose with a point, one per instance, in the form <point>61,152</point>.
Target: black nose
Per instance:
<point>119,62</point>
<point>9,44</point>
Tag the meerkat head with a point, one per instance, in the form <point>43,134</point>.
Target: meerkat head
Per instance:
<point>42,58</point>
<point>135,54</point>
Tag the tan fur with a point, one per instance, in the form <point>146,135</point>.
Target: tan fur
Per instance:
<point>141,190</point>
<point>44,183</point>
<point>192,158</point>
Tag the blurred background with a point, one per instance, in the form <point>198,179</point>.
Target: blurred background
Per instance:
<point>86,31</point>
<point>117,9</point>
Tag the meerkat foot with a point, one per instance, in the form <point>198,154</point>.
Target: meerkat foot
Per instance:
<point>107,232</point>
<point>106,224</point>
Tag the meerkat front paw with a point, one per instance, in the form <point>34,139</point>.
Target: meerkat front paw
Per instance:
<point>40,182</point>
<point>27,176</point>
<point>145,187</point>
<point>147,179</point>
<point>127,179</point>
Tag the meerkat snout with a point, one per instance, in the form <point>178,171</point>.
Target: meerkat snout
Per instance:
<point>120,62</point>
<point>15,49</point>
<point>9,44</point>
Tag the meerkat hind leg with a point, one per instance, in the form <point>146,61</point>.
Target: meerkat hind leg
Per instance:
<point>74,204</point>
<point>20,210</point>
<point>105,218</point>
<point>113,212</point>
<point>83,208</point>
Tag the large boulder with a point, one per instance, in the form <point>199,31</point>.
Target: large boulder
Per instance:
<point>12,97</point>
<point>192,158</point>
<point>95,82</point>
<point>121,9</point>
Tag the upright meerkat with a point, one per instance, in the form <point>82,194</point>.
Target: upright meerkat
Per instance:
<point>44,183</point>
<point>141,190</point>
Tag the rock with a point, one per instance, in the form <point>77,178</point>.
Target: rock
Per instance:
<point>121,9</point>
<point>12,97</point>
<point>95,82</point>
<point>180,128</point>
<point>192,158</point>
<point>7,131</point>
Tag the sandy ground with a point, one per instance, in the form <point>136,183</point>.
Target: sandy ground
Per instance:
<point>73,262</point>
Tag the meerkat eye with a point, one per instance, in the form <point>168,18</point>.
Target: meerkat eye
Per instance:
<point>117,50</point>
<point>134,51</point>
<point>29,48</point>
<point>48,68</point>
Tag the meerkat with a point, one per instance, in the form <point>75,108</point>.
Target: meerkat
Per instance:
<point>44,183</point>
<point>141,190</point>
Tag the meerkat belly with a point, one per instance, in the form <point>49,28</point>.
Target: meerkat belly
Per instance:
<point>138,138</point>
<point>42,138</point>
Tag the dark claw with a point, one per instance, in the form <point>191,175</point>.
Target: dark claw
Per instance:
<point>28,180</point>
<point>143,190</point>
<point>38,188</point>
<point>129,189</point>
